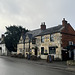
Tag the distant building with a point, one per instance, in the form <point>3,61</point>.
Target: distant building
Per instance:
<point>3,49</point>
<point>51,41</point>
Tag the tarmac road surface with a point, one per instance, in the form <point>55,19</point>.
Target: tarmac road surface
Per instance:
<point>12,66</point>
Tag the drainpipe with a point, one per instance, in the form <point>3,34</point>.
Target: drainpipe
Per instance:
<point>29,46</point>
<point>24,47</point>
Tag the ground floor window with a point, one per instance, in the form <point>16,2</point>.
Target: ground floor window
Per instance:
<point>52,50</point>
<point>42,50</point>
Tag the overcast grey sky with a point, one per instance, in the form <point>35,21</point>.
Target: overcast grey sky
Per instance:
<point>30,13</point>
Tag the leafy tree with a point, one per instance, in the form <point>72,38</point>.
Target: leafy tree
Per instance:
<point>12,37</point>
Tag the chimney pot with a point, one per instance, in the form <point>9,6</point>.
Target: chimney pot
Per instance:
<point>43,26</point>
<point>64,22</point>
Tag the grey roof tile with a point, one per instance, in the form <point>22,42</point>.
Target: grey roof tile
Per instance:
<point>39,32</point>
<point>34,33</point>
<point>52,30</point>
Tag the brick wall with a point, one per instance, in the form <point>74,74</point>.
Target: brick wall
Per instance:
<point>68,34</point>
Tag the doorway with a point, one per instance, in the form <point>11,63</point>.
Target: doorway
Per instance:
<point>36,52</point>
<point>65,55</point>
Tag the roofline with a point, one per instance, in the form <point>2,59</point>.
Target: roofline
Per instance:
<point>49,33</point>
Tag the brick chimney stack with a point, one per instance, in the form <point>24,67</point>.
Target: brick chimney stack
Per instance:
<point>43,26</point>
<point>64,22</point>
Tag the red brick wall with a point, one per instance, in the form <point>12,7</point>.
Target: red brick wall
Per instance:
<point>66,38</point>
<point>68,34</point>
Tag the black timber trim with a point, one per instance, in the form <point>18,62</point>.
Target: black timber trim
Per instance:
<point>48,33</point>
<point>67,34</point>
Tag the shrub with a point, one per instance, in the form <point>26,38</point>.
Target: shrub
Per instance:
<point>33,57</point>
<point>20,55</point>
<point>71,62</point>
<point>57,59</point>
<point>13,55</point>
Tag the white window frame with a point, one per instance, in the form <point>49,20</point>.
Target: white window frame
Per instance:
<point>42,39</point>
<point>70,42</point>
<point>52,37</point>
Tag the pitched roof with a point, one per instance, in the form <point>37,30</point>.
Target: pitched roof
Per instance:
<point>39,32</point>
<point>52,30</point>
<point>34,33</point>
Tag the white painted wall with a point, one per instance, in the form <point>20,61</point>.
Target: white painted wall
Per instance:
<point>4,50</point>
<point>0,52</point>
<point>44,56</point>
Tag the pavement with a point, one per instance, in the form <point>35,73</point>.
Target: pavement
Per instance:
<point>60,65</point>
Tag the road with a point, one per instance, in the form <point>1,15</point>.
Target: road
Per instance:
<point>15,66</point>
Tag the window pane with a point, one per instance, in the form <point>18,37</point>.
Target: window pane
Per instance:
<point>51,37</point>
<point>42,39</point>
<point>33,41</point>
<point>52,50</point>
<point>70,42</point>
<point>42,50</point>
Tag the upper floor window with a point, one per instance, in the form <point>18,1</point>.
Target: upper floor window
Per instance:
<point>34,41</point>
<point>70,42</point>
<point>52,37</point>
<point>42,38</point>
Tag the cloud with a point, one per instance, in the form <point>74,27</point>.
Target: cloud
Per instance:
<point>30,13</point>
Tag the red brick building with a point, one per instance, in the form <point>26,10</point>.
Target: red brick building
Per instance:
<point>68,34</point>
<point>68,39</point>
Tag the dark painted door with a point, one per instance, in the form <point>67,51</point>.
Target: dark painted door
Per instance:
<point>36,52</point>
<point>65,55</point>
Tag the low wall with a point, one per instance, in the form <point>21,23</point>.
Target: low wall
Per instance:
<point>71,62</point>
<point>44,56</point>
